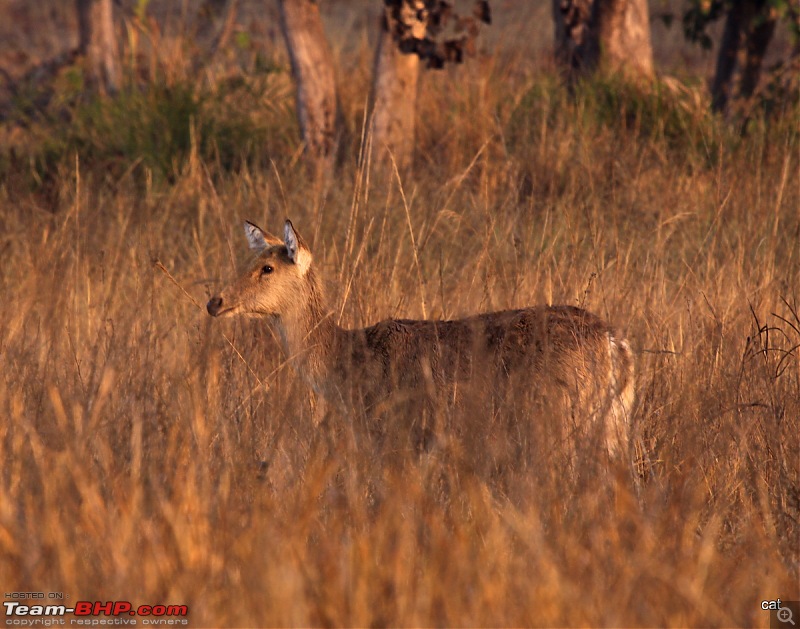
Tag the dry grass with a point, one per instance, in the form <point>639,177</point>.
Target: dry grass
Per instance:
<point>152,454</point>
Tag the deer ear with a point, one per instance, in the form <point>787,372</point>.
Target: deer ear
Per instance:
<point>258,238</point>
<point>296,248</point>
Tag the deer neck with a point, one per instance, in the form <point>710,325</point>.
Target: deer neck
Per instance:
<point>309,334</point>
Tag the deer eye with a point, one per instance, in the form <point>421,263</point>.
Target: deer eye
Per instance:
<point>266,270</point>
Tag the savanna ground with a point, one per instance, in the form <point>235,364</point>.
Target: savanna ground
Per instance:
<point>155,455</point>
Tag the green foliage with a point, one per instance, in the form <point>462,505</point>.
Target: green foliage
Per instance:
<point>243,40</point>
<point>155,126</point>
<point>159,127</point>
<point>670,118</point>
<point>657,113</point>
<point>700,14</point>
<point>140,10</point>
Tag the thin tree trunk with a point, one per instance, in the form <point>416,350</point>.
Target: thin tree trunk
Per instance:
<point>721,86</point>
<point>747,24</point>
<point>758,40</point>
<point>394,89</point>
<point>572,21</point>
<point>612,36</point>
<point>312,66</point>
<point>98,42</point>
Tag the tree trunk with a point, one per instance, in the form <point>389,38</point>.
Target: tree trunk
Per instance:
<point>312,66</point>
<point>394,88</point>
<point>612,36</point>
<point>98,43</point>
<point>624,34</point>
<point>727,56</point>
<point>747,23</point>
<point>758,40</point>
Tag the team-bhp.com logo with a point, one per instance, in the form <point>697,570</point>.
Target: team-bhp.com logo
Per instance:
<point>94,613</point>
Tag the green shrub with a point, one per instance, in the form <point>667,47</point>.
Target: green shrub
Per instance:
<point>156,126</point>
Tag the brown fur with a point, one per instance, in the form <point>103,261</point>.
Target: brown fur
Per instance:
<point>556,352</point>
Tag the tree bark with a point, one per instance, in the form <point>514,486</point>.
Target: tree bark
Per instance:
<point>747,24</point>
<point>312,66</point>
<point>97,42</point>
<point>394,88</point>
<point>758,40</point>
<point>726,57</point>
<point>624,33</point>
<point>612,36</point>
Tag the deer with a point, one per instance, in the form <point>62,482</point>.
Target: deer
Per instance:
<point>563,351</point>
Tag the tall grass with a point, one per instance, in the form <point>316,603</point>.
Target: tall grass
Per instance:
<point>154,455</point>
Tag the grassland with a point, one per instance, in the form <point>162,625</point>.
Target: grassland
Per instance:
<point>155,455</point>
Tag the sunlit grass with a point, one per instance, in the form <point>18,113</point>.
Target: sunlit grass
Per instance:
<point>153,454</point>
